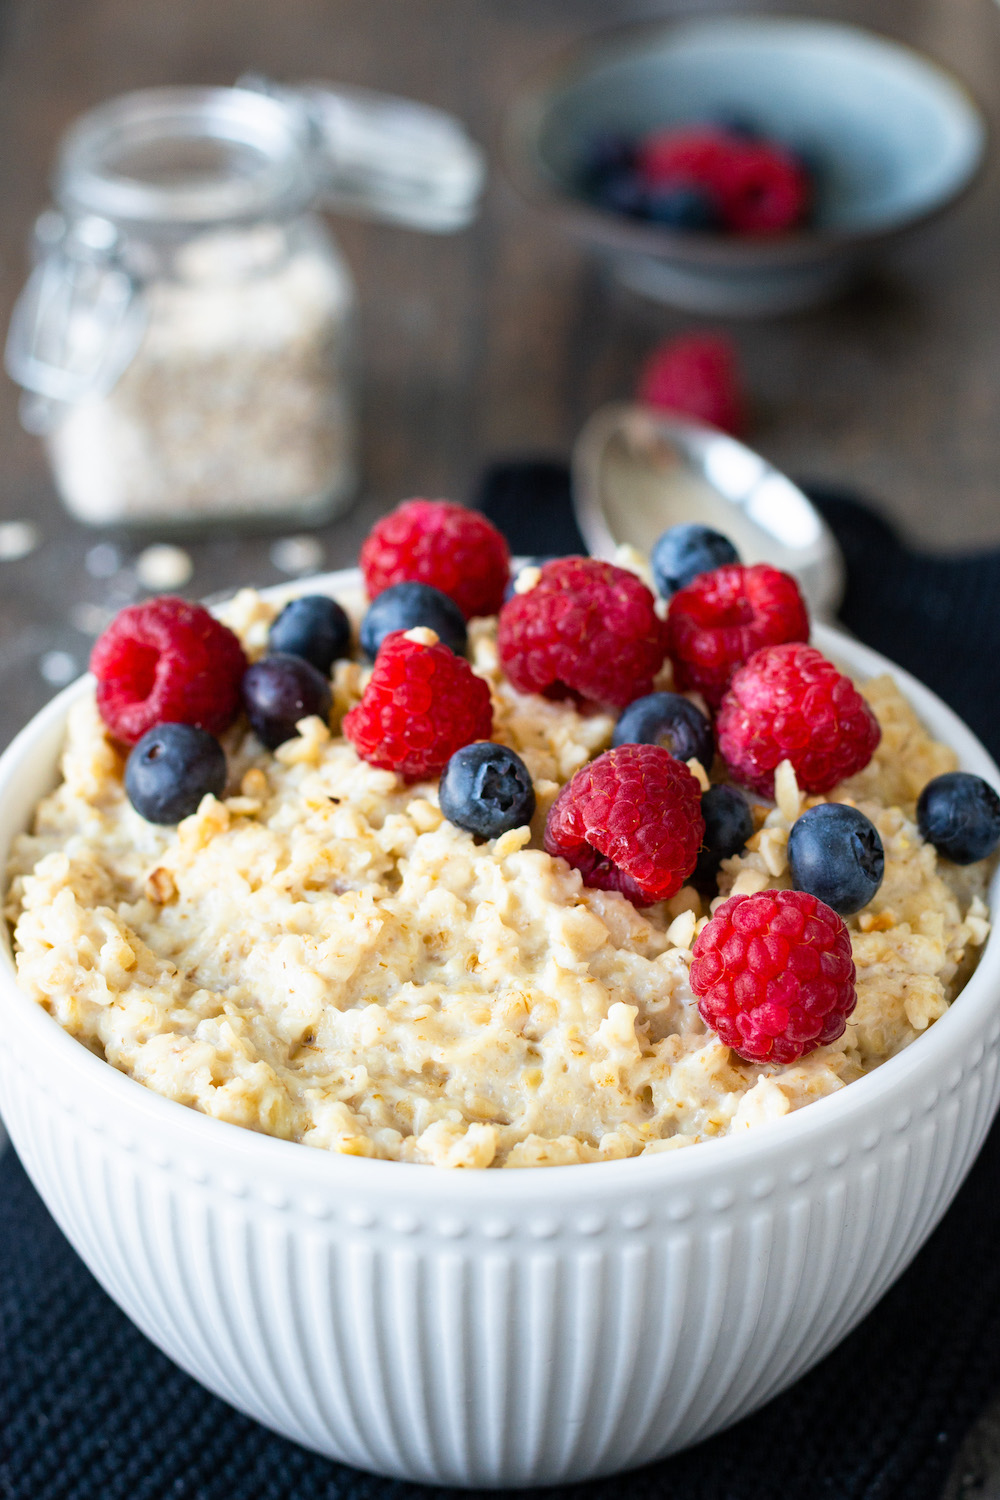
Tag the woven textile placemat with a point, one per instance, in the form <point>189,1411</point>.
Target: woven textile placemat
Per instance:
<point>90,1410</point>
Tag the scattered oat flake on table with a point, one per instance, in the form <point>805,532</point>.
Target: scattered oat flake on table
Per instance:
<point>103,561</point>
<point>90,619</point>
<point>297,554</point>
<point>58,667</point>
<point>17,539</point>
<point>163,567</point>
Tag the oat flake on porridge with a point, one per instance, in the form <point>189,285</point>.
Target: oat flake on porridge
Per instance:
<point>323,957</point>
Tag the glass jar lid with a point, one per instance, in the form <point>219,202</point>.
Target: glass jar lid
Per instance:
<point>190,156</point>
<point>186,156</point>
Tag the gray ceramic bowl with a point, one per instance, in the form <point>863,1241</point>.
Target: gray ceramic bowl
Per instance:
<point>898,139</point>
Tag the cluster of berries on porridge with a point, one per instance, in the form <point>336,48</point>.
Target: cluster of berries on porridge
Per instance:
<point>748,702</point>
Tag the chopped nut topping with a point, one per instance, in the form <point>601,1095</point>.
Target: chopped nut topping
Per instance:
<point>255,783</point>
<point>697,770</point>
<point>422,635</point>
<point>882,921</point>
<point>160,886</point>
<point>786,791</point>
<point>526,580</point>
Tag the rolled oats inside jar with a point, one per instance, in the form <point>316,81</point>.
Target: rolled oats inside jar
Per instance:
<point>238,401</point>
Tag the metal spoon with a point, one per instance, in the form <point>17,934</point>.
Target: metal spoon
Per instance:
<point>637,471</point>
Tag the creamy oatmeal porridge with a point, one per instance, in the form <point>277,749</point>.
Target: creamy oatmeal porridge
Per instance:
<point>322,956</point>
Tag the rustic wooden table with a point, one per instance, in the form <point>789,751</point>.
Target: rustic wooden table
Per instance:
<point>501,340</point>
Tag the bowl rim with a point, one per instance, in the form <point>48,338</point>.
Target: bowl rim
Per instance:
<point>524,112</point>
<point>953,1034</point>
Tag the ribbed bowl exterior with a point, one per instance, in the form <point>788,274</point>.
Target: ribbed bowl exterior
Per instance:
<point>497,1328</point>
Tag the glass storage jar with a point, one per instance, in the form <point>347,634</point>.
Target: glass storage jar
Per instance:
<point>186,338</point>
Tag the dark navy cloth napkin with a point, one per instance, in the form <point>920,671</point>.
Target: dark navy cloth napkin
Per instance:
<point>89,1410</point>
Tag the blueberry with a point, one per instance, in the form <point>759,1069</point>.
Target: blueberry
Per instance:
<point>605,155</point>
<point>608,177</point>
<point>622,193</point>
<point>684,208</point>
<point>280,690</point>
<point>486,789</point>
<point>728,825</point>
<point>685,551</point>
<point>313,627</point>
<point>170,769</point>
<point>960,815</point>
<point>736,123</point>
<point>669,720</point>
<point>835,853</point>
<point>529,562</point>
<point>406,605</point>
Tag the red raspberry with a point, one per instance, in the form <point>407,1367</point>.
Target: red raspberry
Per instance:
<point>445,545</point>
<point>587,631</point>
<point>774,975</point>
<point>167,662</point>
<point>422,703</point>
<point>631,822</point>
<point>790,703</point>
<point>762,189</point>
<point>697,375</point>
<point>689,158</point>
<point>723,617</point>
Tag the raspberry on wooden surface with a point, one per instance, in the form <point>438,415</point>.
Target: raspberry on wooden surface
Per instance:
<point>587,631</point>
<point>790,703</point>
<point>630,821</point>
<point>723,617</point>
<point>167,661</point>
<point>697,375</point>
<point>422,703</point>
<point>774,975</point>
<point>445,545</point>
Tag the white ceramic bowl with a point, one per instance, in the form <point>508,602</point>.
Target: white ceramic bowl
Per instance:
<point>899,139</point>
<point>496,1328</point>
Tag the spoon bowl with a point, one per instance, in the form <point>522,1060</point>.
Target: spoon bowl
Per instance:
<point>637,471</point>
